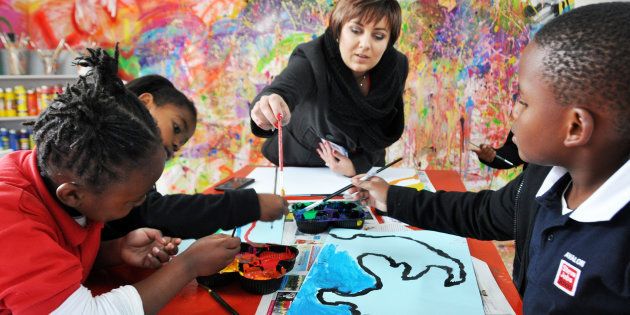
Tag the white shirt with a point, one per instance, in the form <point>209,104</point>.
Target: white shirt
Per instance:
<point>604,203</point>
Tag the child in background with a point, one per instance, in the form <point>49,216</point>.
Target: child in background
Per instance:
<point>508,151</point>
<point>98,153</point>
<point>187,216</point>
<point>569,219</point>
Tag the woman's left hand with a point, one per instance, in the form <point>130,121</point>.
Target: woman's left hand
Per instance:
<point>147,248</point>
<point>336,161</point>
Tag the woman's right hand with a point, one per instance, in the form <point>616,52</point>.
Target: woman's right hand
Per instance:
<point>265,112</point>
<point>210,254</point>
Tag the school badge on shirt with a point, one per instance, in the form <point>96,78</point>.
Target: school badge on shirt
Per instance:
<point>567,277</point>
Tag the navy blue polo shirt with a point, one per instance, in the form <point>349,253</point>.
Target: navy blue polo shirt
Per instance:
<point>580,261</point>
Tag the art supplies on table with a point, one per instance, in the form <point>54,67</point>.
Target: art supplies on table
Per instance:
<point>338,214</point>
<point>260,268</point>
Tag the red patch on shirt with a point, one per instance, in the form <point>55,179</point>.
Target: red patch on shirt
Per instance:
<point>567,277</point>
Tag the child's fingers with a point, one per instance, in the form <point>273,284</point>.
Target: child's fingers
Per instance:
<point>152,262</point>
<point>160,254</point>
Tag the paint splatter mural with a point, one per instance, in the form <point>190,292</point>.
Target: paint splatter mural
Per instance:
<point>461,85</point>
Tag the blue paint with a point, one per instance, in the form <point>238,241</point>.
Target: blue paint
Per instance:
<point>346,276</point>
<point>469,104</point>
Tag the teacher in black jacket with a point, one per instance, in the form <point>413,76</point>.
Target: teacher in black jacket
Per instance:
<point>341,95</point>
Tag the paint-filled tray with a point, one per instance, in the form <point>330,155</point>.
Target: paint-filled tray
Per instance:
<point>340,214</point>
<point>260,268</point>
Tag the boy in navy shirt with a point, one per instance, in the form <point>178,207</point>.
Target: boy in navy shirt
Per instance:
<point>569,212</point>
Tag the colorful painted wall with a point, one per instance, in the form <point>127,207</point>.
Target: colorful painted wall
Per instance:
<point>461,85</point>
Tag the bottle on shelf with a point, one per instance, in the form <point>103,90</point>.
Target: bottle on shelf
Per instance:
<point>14,141</point>
<point>31,102</point>
<point>23,138</point>
<point>9,103</point>
<point>20,101</point>
<point>3,112</point>
<point>4,139</point>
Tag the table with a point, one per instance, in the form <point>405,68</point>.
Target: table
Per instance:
<point>193,299</point>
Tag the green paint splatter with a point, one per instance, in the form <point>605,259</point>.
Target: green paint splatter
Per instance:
<point>283,47</point>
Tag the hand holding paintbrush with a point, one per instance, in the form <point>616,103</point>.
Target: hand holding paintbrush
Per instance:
<point>486,153</point>
<point>364,178</point>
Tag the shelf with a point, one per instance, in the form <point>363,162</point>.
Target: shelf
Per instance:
<point>18,118</point>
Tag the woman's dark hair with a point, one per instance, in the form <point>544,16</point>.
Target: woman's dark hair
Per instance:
<point>96,129</point>
<point>163,91</point>
<point>367,11</point>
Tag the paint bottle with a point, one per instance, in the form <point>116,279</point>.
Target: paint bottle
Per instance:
<point>4,139</point>
<point>2,110</point>
<point>14,142</point>
<point>9,103</point>
<point>23,139</point>
<point>20,101</point>
<point>31,102</point>
<point>43,97</point>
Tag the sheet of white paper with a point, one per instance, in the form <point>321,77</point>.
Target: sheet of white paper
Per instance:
<point>300,181</point>
<point>264,179</point>
<point>494,302</point>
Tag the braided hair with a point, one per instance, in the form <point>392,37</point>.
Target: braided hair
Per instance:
<point>163,92</point>
<point>96,129</point>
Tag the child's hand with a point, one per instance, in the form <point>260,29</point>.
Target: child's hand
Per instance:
<point>336,161</point>
<point>210,254</point>
<point>147,248</point>
<point>265,112</point>
<point>485,153</point>
<point>272,207</point>
<point>373,193</point>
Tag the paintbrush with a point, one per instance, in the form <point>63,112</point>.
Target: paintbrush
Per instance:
<point>220,300</point>
<point>367,176</point>
<point>496,156</point>
<point>280,155</point>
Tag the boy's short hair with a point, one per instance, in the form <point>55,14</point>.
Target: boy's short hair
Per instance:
<point>368,11</point>
<point>587,59</point>
<point>96,129</point>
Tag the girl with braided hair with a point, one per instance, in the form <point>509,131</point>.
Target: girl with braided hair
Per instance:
<point>98,152</point>
<point>183,215</point>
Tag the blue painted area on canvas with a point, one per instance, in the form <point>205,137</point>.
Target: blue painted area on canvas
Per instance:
<point>343,274</point>
<point>390,273</point>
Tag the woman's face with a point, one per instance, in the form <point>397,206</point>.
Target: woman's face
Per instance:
<point>362,46</point>
<point>176,124</point>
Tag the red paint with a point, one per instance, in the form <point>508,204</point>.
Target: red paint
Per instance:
<point>262,266</point>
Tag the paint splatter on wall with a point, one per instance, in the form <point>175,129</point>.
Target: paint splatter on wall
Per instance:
<point>461,85</point>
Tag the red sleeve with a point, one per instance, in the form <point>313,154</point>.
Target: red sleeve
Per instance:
<point>36,273</point>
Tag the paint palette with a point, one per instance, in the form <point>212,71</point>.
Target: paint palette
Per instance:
<point>339,214</point>
<point>260,268</point>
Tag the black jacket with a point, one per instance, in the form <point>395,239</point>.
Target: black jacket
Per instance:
<point>505,214</point>
<point>188,216</point>
<point>305,86</point>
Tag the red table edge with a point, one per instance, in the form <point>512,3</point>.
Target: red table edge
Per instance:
<point>447,181</point>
